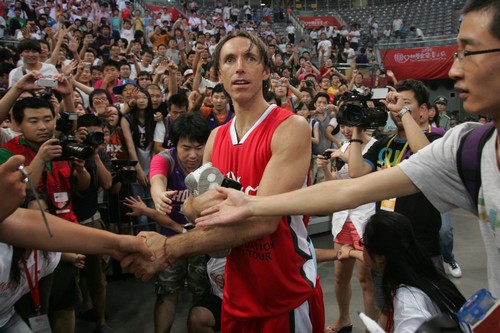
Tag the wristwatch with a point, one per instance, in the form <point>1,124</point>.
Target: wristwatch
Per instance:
<point>403,112</point>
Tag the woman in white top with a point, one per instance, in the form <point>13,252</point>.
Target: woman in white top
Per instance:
<point>412,285</point>
<point>347,229</point>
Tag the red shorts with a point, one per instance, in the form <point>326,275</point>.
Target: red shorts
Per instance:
<point>349,236</point>
<point>307,318</point>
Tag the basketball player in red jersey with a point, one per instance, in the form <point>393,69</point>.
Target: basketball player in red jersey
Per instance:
<point>271,283</point>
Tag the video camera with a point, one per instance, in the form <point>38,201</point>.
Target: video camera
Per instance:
<point>354,110</point>
<point>70,148</point>
<point>124,171</point>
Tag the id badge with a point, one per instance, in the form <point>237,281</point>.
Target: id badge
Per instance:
<point>40,324</point>
<point>388,205</point>
<point>61,197</point>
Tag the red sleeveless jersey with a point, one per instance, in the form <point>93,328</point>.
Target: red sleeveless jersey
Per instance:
<point>275,274</point>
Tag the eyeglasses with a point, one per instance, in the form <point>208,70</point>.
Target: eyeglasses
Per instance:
<point>144,79</point>
<point>99,99</point>
<point>461,55</point>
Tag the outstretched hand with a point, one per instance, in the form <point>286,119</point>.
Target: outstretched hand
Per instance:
<point>141,263</point>
<point>232,209</point>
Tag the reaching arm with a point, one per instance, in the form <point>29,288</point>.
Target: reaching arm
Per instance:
<point>313,200</point>
<point>67,237</point>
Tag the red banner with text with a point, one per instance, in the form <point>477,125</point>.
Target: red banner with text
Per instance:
<point>423,63</point>
<point>319,21</point>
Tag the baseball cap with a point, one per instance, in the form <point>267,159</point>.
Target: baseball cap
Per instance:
<point>441,100</point>
<point>117,90</point>
<point>188,72</point>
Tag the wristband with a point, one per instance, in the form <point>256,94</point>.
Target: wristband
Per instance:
<point>356,140</point>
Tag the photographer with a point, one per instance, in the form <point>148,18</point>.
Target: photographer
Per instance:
<point>35,119</point>
<point>323,115</point>
<point>90,132</point>
<point>406,102</point>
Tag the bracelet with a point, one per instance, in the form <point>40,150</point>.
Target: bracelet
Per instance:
<point>356,140</point>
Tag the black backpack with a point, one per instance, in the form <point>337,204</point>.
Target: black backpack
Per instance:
<point>469,159</point>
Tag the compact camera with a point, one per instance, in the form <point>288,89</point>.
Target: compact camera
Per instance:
<point>46,82</point>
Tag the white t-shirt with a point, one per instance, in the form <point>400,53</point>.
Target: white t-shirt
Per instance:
<point>10,294</point>
<point>128,34</point>
<point>290,29</point>
<point>412,307</point>
<point>47,70</point>
<point>445,189</point>
<point>359,215</point>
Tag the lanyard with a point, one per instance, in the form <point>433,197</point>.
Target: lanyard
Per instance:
<point>34,287</point>
<point>398,160</point>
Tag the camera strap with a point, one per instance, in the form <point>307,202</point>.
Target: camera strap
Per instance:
<point>400,157</point>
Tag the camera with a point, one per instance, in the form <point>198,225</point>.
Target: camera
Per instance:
<point>70,148</point>
<point>354,111</point>
<point>327,154</point>
<point>46,82</point>
<point>124,171</point>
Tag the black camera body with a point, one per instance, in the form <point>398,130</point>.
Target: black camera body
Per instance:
<point>124,171</point>
<point>354,111</point>
<point>71,148</point>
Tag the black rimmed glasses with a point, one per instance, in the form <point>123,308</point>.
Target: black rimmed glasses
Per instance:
<point>461,55</point>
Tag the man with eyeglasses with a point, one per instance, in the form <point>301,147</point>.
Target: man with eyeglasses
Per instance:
<point>477,76</point>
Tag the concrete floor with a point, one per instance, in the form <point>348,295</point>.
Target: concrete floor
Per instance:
<point>130,301</point>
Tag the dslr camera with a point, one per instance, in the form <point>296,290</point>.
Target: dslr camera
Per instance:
<point>71,148</point>
<point>354,111</point>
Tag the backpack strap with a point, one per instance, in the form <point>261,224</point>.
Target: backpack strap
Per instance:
<point>469,159</point>
<point>170,160</point>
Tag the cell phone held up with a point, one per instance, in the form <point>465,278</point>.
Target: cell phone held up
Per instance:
<point>46,82</point>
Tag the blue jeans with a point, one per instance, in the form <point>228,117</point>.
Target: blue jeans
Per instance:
<point>15,325</point>
<point>145,194</point>
<point>446,238</point>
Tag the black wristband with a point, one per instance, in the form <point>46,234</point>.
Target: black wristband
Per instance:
<point>356,140</point>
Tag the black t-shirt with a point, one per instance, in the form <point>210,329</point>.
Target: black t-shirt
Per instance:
<point>85,202</point>
<point>425,218</point>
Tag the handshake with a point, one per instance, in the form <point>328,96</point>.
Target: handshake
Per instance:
<point>199,183</point>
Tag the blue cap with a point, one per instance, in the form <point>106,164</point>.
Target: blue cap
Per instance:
<point>117,90</point>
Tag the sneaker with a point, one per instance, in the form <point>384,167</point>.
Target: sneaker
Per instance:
<point>203,179</point>
<point>455,270</point>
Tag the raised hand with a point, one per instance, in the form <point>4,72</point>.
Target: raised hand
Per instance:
<point>137,205</point>
<point>394,101</point>
<point>232,209</point>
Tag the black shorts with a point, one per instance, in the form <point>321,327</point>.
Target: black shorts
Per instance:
<point>65,292</point>
<point>213,304</point>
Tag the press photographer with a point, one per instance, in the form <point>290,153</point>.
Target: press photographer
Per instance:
<point>35,118</point>
<point>90,133</point>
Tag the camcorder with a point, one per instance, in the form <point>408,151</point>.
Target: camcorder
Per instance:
<point>354,110</point>
<point>124,171</point>
<point>71,148</point>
